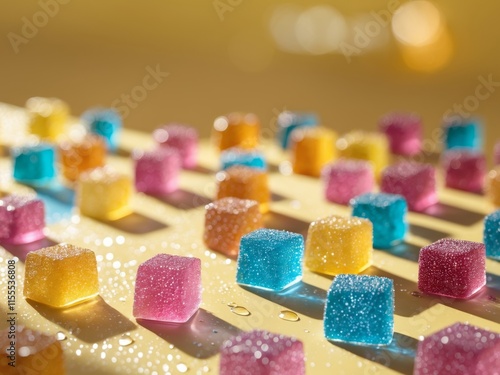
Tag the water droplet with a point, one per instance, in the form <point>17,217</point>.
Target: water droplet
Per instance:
<point>232,304</point>
<point>289,316</point>
<point>60,336</point>
<point>125,340</point>
<point>181,367</point>
<point>416,294</point>
<point>240,310</point>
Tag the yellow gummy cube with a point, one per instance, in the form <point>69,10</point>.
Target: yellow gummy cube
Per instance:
<point>337,244</point>
<point>312,148</point>
<point>47,117</point>
<point>104,194</point>
<point>61,275</point>
<point>369,146</point>
<point>493,186</point>
<point>237,130</point>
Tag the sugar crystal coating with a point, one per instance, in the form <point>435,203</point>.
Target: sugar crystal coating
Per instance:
<point>359,309</point>
<point>34,164</point>
<point>237,130</point>
<point>416,182</point>
<point>387,212</point>
<point>404,131</point>
<point>337,244</point>
<point>262,353</point>
<point>459,349</point>
<point>461,133</point>
<point>47,117</point>
<point>61,275</point>
<point>238,156</point>
<point>157,171</point>
<point>452,268</point>
<point>182,138</point>
<point>34,352</point>
<point>105,122</point>
<point>270,259</point>
<point>345,179</point>
<point>312,149</point>
<point>492,235</point>
<point>464,169</point>
<point>289,121</point>
<point>168,288</point>
<point>227,220</point>
<point>22,219</point>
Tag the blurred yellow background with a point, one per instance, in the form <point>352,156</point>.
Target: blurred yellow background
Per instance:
<point>350,62</point>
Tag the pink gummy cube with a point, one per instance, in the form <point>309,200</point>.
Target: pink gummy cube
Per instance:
<point>404,131</point>
<point>262,353</point>
<point>168,288</point>
<point>22,219</point>
<point>416,182</point>
<point>452,268</point>
<point>459,349</point>
<point>496,153</point>
<point>181,137</point>
<point>346,179</point>
<point>157,171</point>
<point>464,169</point>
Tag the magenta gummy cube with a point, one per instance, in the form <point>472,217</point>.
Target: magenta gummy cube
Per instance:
<point>181,137</point>
<point>404,131</point>
<point>168,288</point>
<point>262,353</point>
<point>157,171</point>
<point>452,268</point>
<point>22,219</point>
<point>464,169</point>
<point>346,179</point>
<point>416,182</point>
<point>459,349</point>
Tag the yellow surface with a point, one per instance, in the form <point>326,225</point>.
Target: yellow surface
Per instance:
<point>61,275</point>
<point>95,343</point>
<point>48,117</point>
<point>313,148</point>
<point>337,244</point>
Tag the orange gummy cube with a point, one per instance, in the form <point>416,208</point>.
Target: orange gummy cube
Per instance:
<point>61,275</point>
<point>77,156</point>
<point>229,219</point>
<point>244,183</point>
<point>237,130</point>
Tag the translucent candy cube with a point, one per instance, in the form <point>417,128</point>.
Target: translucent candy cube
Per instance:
<point>346,179</point>
<point>61,275</point>
<point>239,156</point>
<point>369,146</point>
<point>496,153</point>
<point>34,353</point>
<point>416,182</point>
<point>22,219</point>
<point>237,130</point>
<point>289,121</point>
<point>227,220</point>
<point>157,171</point>
<point>35,164</point>
<point>182,138</point>
<point>387,212</point>
<point>459,349</point>
<point>168,288</point>
<point>104,194</point>
<point>463,134</point>
<point>105,122</point>
<point>452,268</point>
<point>464,169</point>
<point>244,183</point>
<point>337,244</point>
<point>312,149</point>
<point>359,309</point>
<point>77,156</point>
<point>270,259</point>
<point>404,131</point>
<point>492,235</point>
<point>47,117</point>
<point>493,185</point>
<point>262,353</point>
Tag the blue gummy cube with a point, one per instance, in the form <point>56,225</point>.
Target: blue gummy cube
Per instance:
<point>360,310</point>
<point>105,122</point>
<point>387,212</point>
<point>270,259</point>
<point>492,235</point>
<point>289,121</point>
<point>238,156</point>
<point>34,164</point>
<point>463,134</point>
